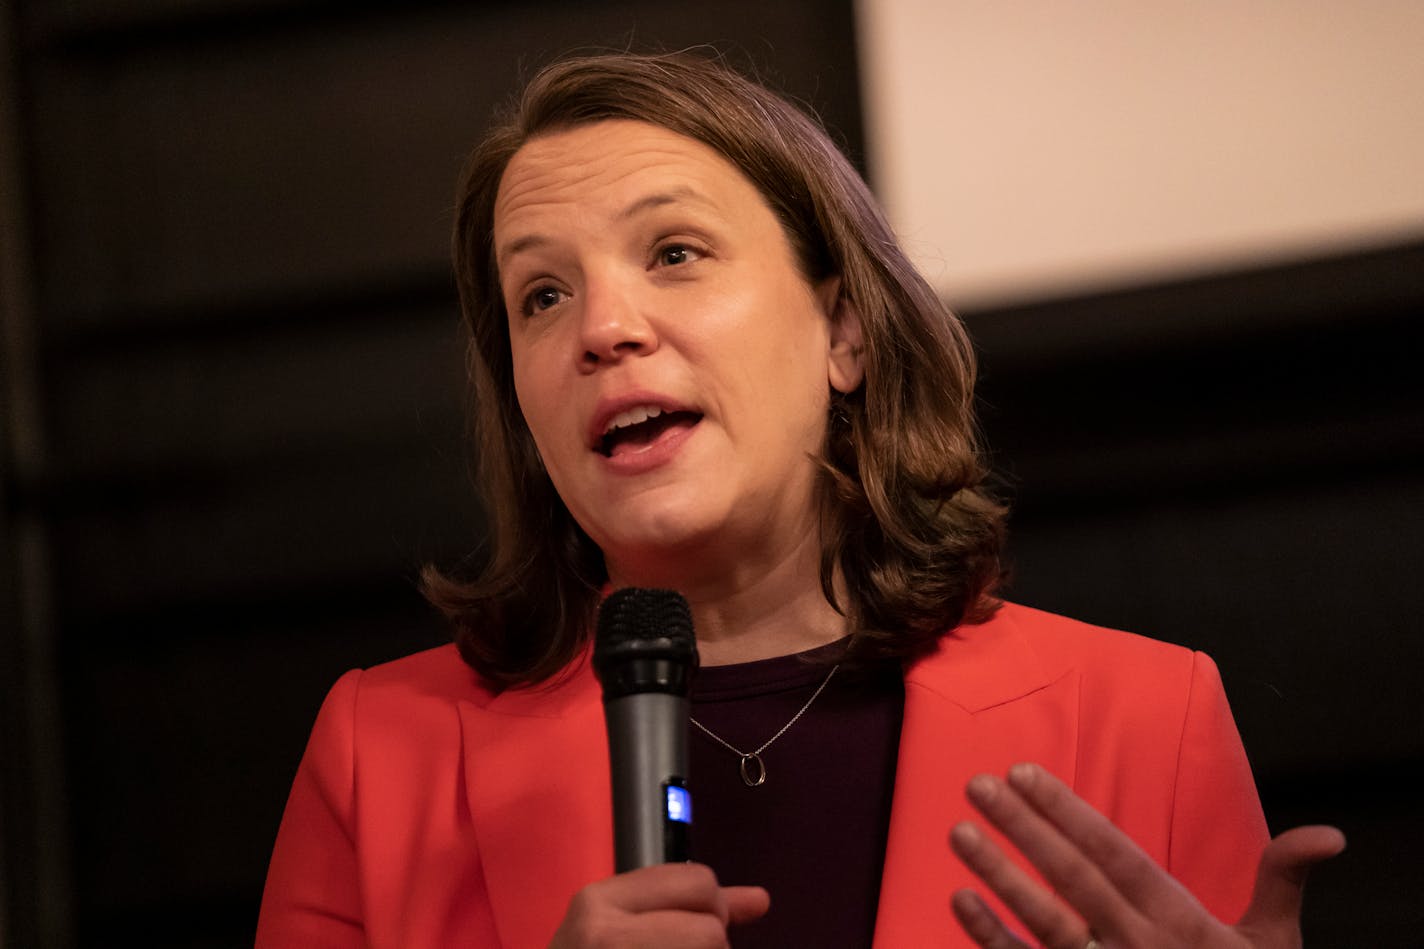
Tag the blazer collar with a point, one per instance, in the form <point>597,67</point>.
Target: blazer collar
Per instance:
<point>979,666</point>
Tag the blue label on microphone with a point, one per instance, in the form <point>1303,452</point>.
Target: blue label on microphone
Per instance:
<point>679,804</point>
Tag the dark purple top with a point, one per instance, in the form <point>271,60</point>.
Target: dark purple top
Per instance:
<point>814,833</point>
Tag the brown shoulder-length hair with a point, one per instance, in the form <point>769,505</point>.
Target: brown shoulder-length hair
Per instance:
<point>905,522</point>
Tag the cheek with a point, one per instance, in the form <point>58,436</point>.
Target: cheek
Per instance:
<point>538,361</point>
<point>535,397</point>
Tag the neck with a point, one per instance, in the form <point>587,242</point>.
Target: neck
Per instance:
<point>758,624</point>
<point>755,610</point>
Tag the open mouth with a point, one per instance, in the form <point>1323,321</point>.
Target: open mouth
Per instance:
<point>640,429</point>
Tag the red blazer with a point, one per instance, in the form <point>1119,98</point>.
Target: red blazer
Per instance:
<point>429,812</point>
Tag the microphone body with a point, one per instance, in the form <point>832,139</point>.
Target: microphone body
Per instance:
<point>644,655</point>
<point>648,754</point>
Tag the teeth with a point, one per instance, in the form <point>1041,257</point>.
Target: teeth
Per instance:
<point>637,415</point>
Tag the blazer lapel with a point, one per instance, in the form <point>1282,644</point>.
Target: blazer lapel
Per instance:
<point>537,782</point>
<point>982,702</point>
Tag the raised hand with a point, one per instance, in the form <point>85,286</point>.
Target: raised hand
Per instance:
<point>671,905</point>
<point>1106,893</point>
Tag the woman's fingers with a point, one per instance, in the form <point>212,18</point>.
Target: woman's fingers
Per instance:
<point>1129,870</point>
<point>1280,878</point>
<point>1039,910</point>
<point>684,886</point>
<point>674,904</point>
<point>1117,891</point>
<point>1076,876</point>
<point>746,903</point>
<point>981,923</point>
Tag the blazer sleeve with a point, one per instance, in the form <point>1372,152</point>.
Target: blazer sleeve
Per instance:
<point>312,897</point>
<point>1218,830</point>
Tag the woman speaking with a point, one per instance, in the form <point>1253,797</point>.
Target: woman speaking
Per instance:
<point>702,363</point>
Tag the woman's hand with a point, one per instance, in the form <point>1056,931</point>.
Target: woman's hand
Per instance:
<point>677,905</point>
<point>1109,893</point>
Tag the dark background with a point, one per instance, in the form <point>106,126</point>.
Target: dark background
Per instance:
<point>232,434</point>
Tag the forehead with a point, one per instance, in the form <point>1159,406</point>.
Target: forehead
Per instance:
<point>612,163</point>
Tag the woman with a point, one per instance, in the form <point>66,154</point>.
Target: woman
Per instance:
<point>701,362</point>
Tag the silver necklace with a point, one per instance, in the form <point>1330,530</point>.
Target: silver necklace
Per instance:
<point>753,758</point>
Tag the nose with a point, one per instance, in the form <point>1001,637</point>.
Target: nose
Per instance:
<point>613,325</point>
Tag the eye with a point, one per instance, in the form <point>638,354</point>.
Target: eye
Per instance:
<point>671,255</point>
<point>542,298</point>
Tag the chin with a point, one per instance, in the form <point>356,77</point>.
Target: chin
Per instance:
<point>648,545</point>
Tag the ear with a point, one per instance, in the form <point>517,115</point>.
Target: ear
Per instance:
<point>845,358</point>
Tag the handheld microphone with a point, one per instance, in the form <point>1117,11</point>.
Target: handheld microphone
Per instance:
<point>645,654</point>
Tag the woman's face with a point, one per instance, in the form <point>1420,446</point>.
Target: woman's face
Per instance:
<point>671,360</point>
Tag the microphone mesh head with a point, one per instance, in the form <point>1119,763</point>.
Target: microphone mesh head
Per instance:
<point>644,642</point>
<point>635,613</point>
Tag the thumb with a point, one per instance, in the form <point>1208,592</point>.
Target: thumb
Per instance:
<point>745,903</point>
<point>1280,877</point>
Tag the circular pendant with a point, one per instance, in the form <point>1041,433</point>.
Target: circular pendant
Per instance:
<point>753,778</point>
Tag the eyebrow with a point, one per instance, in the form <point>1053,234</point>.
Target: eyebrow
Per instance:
<point>661,199</point>
<point>518,246</point>
<point>649,202</point>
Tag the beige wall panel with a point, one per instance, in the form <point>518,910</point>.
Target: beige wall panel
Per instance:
<point>1028,149</point>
